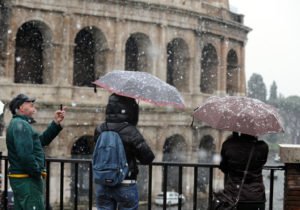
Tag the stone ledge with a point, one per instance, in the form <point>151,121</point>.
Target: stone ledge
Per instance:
<point>289,153</point>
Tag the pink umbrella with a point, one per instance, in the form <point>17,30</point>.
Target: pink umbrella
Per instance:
<point>239,114</point>
<point>141,85</point>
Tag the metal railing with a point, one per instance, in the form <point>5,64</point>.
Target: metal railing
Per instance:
<point>74,183</point>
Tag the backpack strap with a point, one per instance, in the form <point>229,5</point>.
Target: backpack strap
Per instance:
<point>245,173</point>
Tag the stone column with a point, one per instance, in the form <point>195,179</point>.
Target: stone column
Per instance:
<point>119,51</point>
<point>290,155</point>
<point>160,69</point>
<point>222,82</point>
<point>64,75</point>
<point>5,14</point>
<point>242,75</point>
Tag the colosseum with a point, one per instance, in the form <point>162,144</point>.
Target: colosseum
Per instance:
<point>53,50</point>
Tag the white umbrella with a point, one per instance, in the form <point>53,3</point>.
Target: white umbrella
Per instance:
<point>1,107</point>
<point>141,85</point>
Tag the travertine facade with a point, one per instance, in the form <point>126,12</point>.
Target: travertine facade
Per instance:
<point>200,43</point>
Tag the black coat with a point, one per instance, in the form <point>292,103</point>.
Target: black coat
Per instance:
<point>235,153</point>
<point>134,144</point>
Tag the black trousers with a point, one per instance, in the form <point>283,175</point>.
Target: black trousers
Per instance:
<point>251,206</point>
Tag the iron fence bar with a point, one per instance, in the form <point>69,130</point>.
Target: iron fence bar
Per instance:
<point>150,187</point>
<point>76,187</point>
<point>180,188</point>
<point>6,185</point>
<point>90,186</point>
<point>195,188</point>
<point>210,186</point>
<point>61,198</point>
<point>48,185</point>
<point>165,179</point>
<point>271,189</point>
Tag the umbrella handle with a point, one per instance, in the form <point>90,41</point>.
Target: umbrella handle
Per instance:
<point>192,121</point>
<point>193,116</point>
<point>95,88</point>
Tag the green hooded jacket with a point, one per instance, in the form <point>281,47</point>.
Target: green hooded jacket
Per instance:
<point>25,145</point>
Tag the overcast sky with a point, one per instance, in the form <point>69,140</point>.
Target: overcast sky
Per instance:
<point>273,47</point>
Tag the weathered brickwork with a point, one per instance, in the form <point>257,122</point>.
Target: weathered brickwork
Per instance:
<point>292,187</point>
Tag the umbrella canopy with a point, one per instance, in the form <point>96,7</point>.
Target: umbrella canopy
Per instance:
<point>141,85</point>
<point>1,107</point>
<point>240,114</point>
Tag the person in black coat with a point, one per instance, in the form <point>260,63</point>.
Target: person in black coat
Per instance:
<point>122,115</point>
<point>235,154</point>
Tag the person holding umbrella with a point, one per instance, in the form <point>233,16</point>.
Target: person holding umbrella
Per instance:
<point>25,152</point>
<point>243,181</point>
<point>243,155</point>
<point>122,114</point>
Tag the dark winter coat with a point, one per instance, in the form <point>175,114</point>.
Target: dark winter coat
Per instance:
<point>235,153</point>
<point>120,112</point>
<point>25,146</point>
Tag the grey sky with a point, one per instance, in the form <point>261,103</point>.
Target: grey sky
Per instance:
<point>273,44</point>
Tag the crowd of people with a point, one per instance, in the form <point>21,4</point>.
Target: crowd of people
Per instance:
<point>27,159</point>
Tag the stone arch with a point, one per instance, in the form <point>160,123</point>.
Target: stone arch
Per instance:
<point>138,53</point>
<point>178,64</point>
<point>209,69</point>
<point>33,55</point>
<point>174,150</point>
<point>90,56</point>
<point>82,149</point>
<point>206,152</point>
<point>232,73</point>
<point>83,146</point>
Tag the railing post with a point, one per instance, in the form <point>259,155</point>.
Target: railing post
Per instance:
<point>180,188</point>
<point>48,185</point>
<point>150,187</point>
<point>290,155</point>
<point>5,184</point>
<point>195,188</point>
<point>271,189</point>
<point>76,187</point>
<point>165,180</point>
<point>210,189</point>
<point>90,186</point>
<point>61,203</point>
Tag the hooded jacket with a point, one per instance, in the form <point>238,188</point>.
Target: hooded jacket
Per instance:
<point>122,113</point>
<point>235,154</point>
<point>25,145</point>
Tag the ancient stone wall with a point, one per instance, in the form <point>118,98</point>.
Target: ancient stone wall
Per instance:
<point>195,23</point>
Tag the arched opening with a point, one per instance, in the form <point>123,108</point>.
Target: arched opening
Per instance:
<point>232,73</point>
<point>90,55</point>
<point>178,64</point>
<point>205,155</point>
<point>32,55</point>
<point>82,149</point>
<point>174,150</point>
<point>138,48</point>
<point>209,69</point>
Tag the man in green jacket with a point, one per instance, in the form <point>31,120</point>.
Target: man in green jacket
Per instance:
<point>25,153</point>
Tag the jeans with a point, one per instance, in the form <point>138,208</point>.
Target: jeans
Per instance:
<point>123,197</point>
